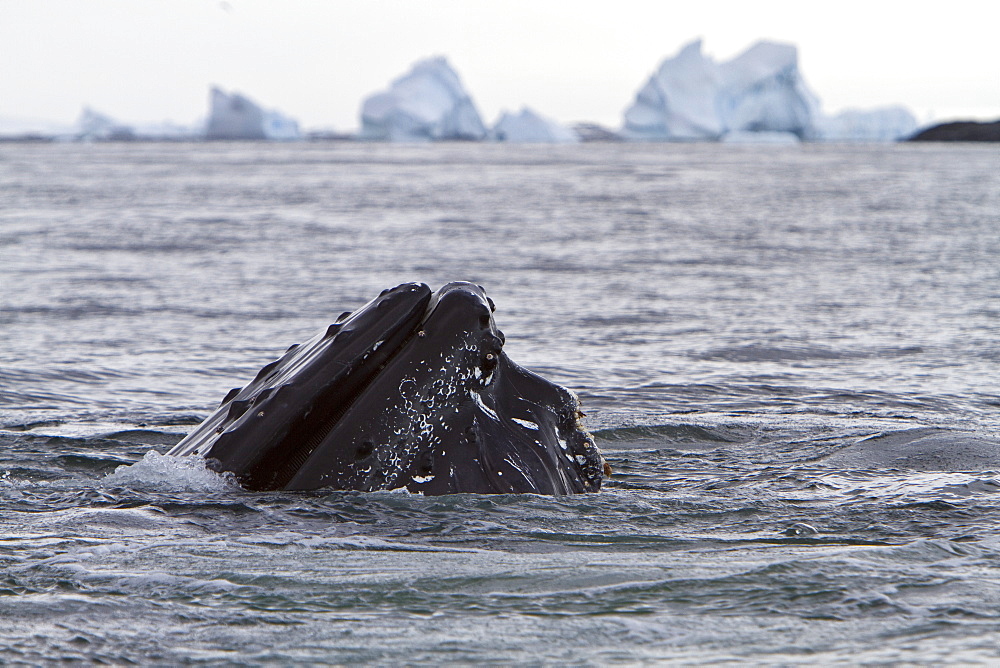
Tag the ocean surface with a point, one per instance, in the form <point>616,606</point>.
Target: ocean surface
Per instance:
<point>789,354</point>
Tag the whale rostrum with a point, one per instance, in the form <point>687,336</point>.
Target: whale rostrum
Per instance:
<point>412,390</point>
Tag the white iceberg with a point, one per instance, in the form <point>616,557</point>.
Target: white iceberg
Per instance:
<point>691,97</point>
<point>279,126</point>
<point>757,97</point>
<point>761,90</point>
<point>428,103</point>
<point>237,117</point>
<point>679,100</point>
<point>527,126</point>
<point>885,124</point>
<point>95,126</point>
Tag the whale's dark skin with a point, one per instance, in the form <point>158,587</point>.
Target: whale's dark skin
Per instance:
<point>412,390</point>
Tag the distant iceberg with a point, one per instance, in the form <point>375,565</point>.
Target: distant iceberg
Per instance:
<point>691,97</point>
<point>762,91</point>
<point>280,127</point>
<point>867,125</point>
<point>678,101</point>
<point>95,126</point>
<point>426,104</point>
<point>757,97</point>
<point>527,126</point>
<point>233,116</point>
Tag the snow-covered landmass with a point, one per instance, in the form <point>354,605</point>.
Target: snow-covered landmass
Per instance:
<point>867,125</point>
<point>237,117</point>
<point>691,97</point>
<point>527,126</point>
<point>95,126</point>
<point>428,103</point>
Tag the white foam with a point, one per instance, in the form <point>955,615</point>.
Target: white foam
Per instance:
<point>165,472</point>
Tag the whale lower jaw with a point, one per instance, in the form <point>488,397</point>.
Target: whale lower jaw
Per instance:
<point>412,390</point>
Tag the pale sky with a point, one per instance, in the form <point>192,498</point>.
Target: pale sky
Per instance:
<point>573,60</point>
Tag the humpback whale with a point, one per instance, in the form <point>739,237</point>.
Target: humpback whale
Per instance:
<point>412,390</point>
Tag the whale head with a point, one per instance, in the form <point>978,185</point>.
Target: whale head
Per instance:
<point>412,390</point>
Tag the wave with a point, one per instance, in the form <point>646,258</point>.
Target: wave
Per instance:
<point>674,434</point>
<point>800,352</point>
<point>921,449</point>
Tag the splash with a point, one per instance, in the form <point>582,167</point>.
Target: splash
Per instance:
<point>168,473</point>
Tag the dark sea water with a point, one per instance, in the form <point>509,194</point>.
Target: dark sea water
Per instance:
<point>789,355</point>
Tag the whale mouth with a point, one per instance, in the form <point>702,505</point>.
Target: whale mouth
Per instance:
<point>411,390</point>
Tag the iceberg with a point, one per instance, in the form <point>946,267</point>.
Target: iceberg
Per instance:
<point>761,90</point>
<point>95,126</point>
<point>527,126</point>
<point>867,125</point>
<point>234,116</point>
<point>678,101</point>
<point>691,97</point>
<point>757,97</point>
<point>280,127</point>
<point>426,104</point>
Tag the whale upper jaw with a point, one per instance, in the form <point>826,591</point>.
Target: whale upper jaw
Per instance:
<point>412,390</point>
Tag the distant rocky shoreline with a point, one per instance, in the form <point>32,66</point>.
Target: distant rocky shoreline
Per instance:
<point>960,131</point>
